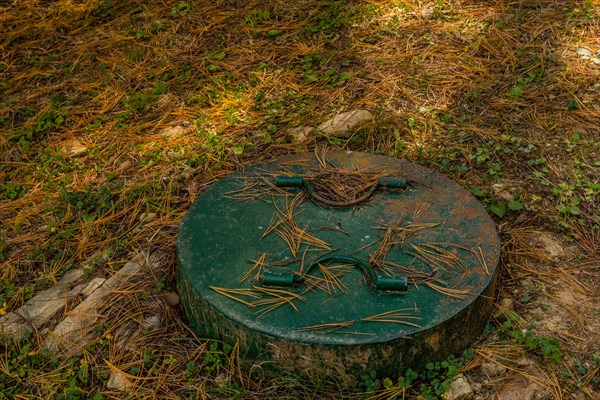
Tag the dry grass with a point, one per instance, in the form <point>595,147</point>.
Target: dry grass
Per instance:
<point>115,115</point>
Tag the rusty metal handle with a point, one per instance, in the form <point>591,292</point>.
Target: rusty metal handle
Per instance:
<point>299,182</point>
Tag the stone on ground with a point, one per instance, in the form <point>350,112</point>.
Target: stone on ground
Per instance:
<point>300,134</point>
<point>92,286</point>
<point>75,148</point>
<point>584,53</point>
<point>178,130</point>
<point>549,244</point>
<point>460,389</point>
<point>520,388</point>
<point>492,369</point>
<point>152,321</point>
<point>427,13</point>
<point>42,307</point>
<point>75,330</point>
<point>171,298</point>
<point>503,191</point>
<point>118,381</point>
<point>343,124</point>
<point>504,308</point>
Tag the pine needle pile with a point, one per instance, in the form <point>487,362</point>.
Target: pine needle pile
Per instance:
<point>343,186</point>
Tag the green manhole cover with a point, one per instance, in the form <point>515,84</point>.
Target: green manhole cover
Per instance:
<point>337,264</point>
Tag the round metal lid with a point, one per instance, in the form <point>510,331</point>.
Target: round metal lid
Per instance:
<point>335,249</point>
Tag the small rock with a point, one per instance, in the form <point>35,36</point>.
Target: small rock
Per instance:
<point>520,388</point>
<point>427,13</point>
<point>75,148</point>
<point>528,284</point>
<point>92,286</point>
<point>580,130</point>
<point>492,370</point>
<point>152,321</point>
<point>425,109</point>
<point>77,328</point>
<point>118,381</point>
<point>578,396</point>
<point>222,380</point>
<point>584,53</point>
<point>550,244</point>
<point>595,60</point>
<point>344,123</point>
<point>42,307</point>
<point>503,192</point>
<point>176,130</point>
<point>186,173</point>
<point>460,389</point>
<point>505,306</point>
<point>525,362</point>
<point>124,166</point>
<point>301,133</point>
<point>171,298</point>
<point>147,217</point>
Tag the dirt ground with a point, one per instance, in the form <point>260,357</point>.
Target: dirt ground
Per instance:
<point>116,115</point>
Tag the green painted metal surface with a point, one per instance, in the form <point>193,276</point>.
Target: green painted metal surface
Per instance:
<point>446,253</point>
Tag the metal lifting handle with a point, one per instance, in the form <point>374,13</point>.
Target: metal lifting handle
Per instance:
<point>299,182</point>
<point>380,282</point>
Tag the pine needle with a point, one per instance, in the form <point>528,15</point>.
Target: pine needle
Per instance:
<point>398,316</point>
<point>457,293</point>
<point>257,267</point>
<point>327,328</point>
